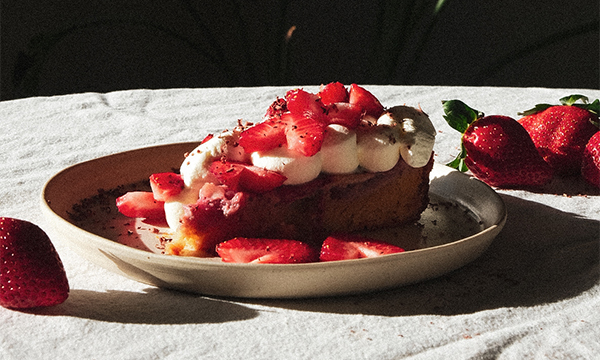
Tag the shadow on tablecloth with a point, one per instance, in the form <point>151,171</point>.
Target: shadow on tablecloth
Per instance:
<point>543,255</point>
<point>153,306</point>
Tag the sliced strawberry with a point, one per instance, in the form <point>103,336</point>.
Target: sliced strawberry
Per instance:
<point>347,247</point>
<point>166,185</point>
<point>208,137</point>
<point>241,176</point>
<point>303,103</point>
<point>264,136</point>
<point>265,251</point>
<point>228,173</point>
<point>32,274</point>
<point>304,134</point>
<point>140,204</point>
<point>333,93</point>
<point>259,180</point>
<point>363,98</point>
<point>345,114</point>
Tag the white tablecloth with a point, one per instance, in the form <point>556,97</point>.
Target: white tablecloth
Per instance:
<point>534,294</point>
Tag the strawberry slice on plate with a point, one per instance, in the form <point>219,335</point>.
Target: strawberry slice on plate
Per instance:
<point>265,251</point>
<point>263,136</point>
<point>332,93</point>
<point>365,99</point>
<point>141,204</point>
<point>166,185</point>
<point>32,274</point>
<point>241,176</point>
<point>349,247</point>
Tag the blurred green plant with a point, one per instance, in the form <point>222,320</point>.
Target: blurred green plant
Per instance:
<point>392,35</point>
<point>404,27</point>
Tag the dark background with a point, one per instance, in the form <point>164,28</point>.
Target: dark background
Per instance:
<point>70,46</point>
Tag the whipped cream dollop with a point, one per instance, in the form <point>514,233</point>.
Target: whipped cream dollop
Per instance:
<point>297,168</point>
<point>194,169</point>
<point>414,131</point>
<point>339,150</point>
<point>401,132</point>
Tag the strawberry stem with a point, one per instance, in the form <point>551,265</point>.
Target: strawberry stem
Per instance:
<point>460,116</point>
<point>459,162</point>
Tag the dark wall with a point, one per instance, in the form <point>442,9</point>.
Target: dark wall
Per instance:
<point>57,47</point>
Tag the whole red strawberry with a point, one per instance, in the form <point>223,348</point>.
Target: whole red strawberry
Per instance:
<point>590,162</point>
<point>31,273</point>
<point>560,132</point>
<point>497,149</point>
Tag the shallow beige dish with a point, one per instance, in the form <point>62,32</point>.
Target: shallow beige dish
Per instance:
<point>440,254</point>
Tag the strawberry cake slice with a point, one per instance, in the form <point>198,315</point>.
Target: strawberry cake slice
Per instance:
<point>332,162</point>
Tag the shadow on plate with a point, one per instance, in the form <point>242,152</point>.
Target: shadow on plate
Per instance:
<point>543,255</point>
<point>154,306</point>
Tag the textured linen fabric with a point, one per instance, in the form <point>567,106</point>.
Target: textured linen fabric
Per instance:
<point>534,294</point>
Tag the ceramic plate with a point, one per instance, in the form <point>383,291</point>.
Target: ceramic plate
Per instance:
<point>461,221</point>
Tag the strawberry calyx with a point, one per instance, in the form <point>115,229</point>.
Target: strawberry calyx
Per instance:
<point>571,100</point>
<point>460,116</point>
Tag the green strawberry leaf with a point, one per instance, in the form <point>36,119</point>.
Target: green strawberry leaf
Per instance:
<point>459,115</point>
<point>570,100</point>
<point>536,109</point>
<point>593,107</point>
<point>459,162</point>
<point>596,123</point>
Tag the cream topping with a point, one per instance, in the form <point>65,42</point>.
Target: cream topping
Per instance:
<point>378,148</point>
<point>414,131</point>
<point>194,169</point>
<point>339,150</point>
<point>297,168</point>
<point>402,131</point>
